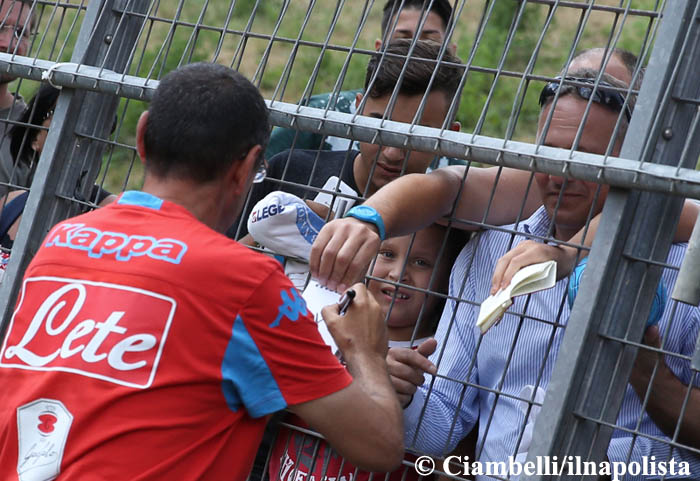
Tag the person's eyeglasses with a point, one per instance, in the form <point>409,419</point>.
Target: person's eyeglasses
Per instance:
<point>18,32</point>
<point>261,173</point>
<point>604,94</point>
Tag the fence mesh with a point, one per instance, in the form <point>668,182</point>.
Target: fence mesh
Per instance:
<point>551,379</point>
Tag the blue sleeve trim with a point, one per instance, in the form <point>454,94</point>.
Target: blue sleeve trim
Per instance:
<point>247,379</point>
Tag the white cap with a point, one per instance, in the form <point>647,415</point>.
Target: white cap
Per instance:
<point>283,223</point>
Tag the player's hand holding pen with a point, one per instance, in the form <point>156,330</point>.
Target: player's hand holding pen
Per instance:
<point>357,324</point>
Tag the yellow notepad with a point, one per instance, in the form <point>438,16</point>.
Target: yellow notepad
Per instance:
<point>527,280</point>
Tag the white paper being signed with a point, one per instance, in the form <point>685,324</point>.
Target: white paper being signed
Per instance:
<point>317,297</point>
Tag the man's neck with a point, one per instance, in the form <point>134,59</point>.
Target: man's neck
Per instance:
<point>565,234</point>
<point>200,200</point>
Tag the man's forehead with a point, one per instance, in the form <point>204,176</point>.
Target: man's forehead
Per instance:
<point>435,105</point>
<point>566,121</point>
<point>593,60</point>
<point>409,19</point>
<point>12,10</point>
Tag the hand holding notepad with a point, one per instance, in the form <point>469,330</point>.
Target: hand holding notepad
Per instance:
<point>527,280</point>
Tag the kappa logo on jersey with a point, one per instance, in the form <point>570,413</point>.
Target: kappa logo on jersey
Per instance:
<point>106,331</point>
<point>98,243</point>
<point>292,306</point>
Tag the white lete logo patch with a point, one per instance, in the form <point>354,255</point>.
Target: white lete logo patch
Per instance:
<point>105,331</point>
<point>43,427</point>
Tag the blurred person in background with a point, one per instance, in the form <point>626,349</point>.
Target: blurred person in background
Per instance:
<point>16,27</point>
<point>26,140</point>
<point>401,19</point>
<point>516,356</point>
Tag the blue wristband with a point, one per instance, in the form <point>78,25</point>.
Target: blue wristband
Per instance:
<point>369,214</point>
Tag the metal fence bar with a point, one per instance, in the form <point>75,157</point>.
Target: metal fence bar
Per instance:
<point>591,369</point>
<point>619,172</point>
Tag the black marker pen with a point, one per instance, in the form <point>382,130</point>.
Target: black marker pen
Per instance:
<point>345,301</point>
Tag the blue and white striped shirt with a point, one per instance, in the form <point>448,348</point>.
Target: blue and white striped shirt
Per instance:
<point>520,351</point>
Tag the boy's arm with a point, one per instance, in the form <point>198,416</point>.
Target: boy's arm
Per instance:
<point>345,247</point>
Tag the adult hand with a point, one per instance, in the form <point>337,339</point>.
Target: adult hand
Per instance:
<point>342,252</point>
<point>527,253</point>
<point>407,368</point>
<point>362,329</point>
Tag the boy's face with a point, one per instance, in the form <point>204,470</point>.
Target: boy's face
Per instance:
<point>391,162</point>
<point>420,263</point>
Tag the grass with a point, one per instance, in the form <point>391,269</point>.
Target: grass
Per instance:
<point>486,105</point>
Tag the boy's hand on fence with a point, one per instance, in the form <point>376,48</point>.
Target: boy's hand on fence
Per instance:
<point>530,252</point>
<point>362,329</point>
<point>342,252</point>
<point>407,368</point>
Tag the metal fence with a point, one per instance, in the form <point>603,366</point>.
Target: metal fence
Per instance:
<point>107,56</point>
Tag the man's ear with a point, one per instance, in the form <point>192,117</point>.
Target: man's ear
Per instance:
<point>358,100</point>
<point>141,136</point>
<point>241,171</point>
<point>455,126</point>
<point>378,44</point>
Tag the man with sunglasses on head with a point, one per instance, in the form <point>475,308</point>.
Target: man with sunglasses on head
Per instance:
<point>16,24</point>
<point>516,357</point>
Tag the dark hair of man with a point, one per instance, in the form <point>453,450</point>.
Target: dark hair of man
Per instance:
<point>39,108</point>
<point>586,73</point>
<point>419,70</point>
<point>203,117</point>
<point>628,59</point>
<point>441,8</point>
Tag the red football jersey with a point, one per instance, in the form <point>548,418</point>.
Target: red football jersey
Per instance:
<point>147,346</point>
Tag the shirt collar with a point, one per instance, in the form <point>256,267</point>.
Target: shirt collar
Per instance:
<point>143,199</point>
<point>538,224</point>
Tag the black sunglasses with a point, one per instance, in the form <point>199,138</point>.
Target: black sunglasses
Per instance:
<point>604,94</point>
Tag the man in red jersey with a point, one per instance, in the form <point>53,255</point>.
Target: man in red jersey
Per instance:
<point>146,345</point>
